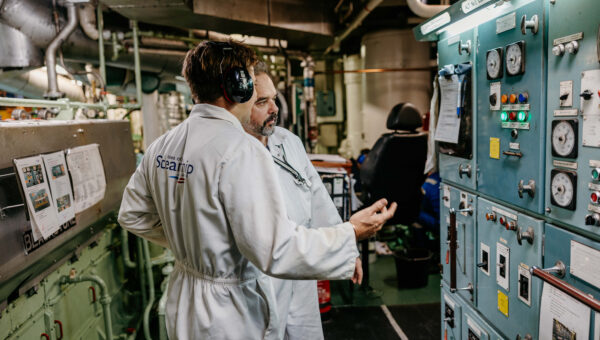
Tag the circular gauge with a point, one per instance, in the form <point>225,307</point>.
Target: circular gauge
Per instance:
<point>514,59</point>
<point>563,189</point>
<point>564,138</point>
<point>493,63</point>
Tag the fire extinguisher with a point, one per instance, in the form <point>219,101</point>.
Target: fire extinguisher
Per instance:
<point>324,293</point>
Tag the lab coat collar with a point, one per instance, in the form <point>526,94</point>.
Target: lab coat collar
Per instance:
<point>216,112</point>
<point>275,143</point>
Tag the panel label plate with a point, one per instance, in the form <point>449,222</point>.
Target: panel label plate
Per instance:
<point>516,107</point>
<point>473,327</point>
<point>568,38</point>
<point>594,163</point>
<point>506,23</point>
<point>494,148</point>
<point>591,131</point>
<point>514,146</point>
<point>594,186</point>
<point>585,262</point>
<point>515,125</point>
<point>436,23</point>
<point>453,40</point>
<point>469,5</point>
<point>563,164</point>
<point>567,112</point>
<point>448,301</point>
<point>594,208</point>
<point>503,303</point>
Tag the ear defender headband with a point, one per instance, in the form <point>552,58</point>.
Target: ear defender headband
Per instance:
<point>236,82</point>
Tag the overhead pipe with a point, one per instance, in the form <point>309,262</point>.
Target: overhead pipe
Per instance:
<point>34,84</point>
<point>423,10</point>
<point>87,21</point>
<point>53,92</point>
<point>355,23</point>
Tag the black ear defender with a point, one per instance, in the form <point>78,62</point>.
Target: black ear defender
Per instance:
<point>236,82</point>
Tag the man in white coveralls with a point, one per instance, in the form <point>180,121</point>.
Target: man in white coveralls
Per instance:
<point>209,191</point>
<point>307,203</point>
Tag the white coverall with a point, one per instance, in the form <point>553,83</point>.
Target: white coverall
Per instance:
<point>209,192</point>
<point>308,203</point>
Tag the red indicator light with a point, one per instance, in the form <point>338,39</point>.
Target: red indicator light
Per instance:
<point>512,116</point>
<point>594,197</point>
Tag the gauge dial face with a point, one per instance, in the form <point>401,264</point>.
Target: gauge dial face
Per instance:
<point>563,139</point>
<point>494,63</point>
<point>563,191</point>
<point>514,59</point>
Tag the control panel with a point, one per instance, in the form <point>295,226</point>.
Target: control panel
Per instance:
<point>457,161</point>
<point>511,107</point>
<point>464,207</point>
<point>451,306</point>
<point>512,243</point>
<point>476,328</point>
<point>573,101</point>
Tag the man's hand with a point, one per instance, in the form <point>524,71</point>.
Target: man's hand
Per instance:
<point>358,272</point>
<point>369,220</point>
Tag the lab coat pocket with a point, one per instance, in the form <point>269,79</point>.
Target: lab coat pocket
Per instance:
<point>267,293</point>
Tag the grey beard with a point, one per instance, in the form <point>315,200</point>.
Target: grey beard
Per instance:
<point>262,130</point>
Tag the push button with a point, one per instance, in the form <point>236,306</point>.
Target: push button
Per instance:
<point>504,99</point>
<point>513,98</point>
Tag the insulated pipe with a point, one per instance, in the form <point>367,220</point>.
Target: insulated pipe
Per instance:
<point>104,298</point>
<point>87,21</point>
<point>34,83</point>
<point>424,10</point>
<point>125,249</point>
<point>136,61</point>
<point>53,92</point>
<point>355,23</point>
<point>150,277</point>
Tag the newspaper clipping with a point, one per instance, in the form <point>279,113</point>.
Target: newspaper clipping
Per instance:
<point>44,220</point>
<point>60,186</point>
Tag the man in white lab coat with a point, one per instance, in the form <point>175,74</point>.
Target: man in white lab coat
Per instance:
<point>209,191</point>
<point>307,203</point>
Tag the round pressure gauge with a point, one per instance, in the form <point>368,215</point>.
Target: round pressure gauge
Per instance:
<point>564,188</point>
<point>515,58</point>
<point>564,138</point>
<point>493,61</point>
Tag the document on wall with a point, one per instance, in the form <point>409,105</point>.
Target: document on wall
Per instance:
<point>60,186</point>
<point>87,174</point>
<point>562,317</point>
<point>44,220</point>
<point>448,125</point>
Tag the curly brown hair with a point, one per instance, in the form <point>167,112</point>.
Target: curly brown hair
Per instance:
<point>204,64</point>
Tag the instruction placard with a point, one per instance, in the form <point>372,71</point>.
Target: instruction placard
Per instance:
<point>87,174</point>
<point>448,126</point>
<point>562,317</point>
<point>60,186</point>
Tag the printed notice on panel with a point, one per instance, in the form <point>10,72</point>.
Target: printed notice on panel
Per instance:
<point>448,125</point>
<point>562,317</point>
<point>60,186</point>
<point>597,327</point>
<point>585,262</point>
<point>87,173</point>
<point>44,221</point>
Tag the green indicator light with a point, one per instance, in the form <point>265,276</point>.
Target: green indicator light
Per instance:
<point>595,174</point>
<point>504,116</point>
<point>522,116</point>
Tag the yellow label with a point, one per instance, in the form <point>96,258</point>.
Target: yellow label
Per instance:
<point>494,148</point>
<point>503,303</point>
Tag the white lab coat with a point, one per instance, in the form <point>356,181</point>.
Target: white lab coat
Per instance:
<point>209,192</point>
<point>309,205</point>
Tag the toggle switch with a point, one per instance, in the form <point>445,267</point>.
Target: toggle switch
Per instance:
<point>564,96</point>
<point>592,219</point>
<point>493,99</point>
<point>586,95</point>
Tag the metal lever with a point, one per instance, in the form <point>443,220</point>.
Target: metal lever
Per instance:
<point>529,188</point>
<point>3,214</point>
<point>464,47</point>
<point>468,288</point>
<point>452,247</point>
<point>468,210</point>
<point>512,153</point>
<point>464,170</point>
<point>528,235</point>
<point>558,269</point>
<point>532,24</point>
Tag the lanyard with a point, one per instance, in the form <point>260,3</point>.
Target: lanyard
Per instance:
<point>287,167</point>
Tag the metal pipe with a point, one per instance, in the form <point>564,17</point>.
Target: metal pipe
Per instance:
<point>355,23</point>
<point>162,311</point>
<point>136,61</point>
<point>150,277</point>
<point>53,92</point>
<point>34,84</point>
<point>424,10</point>
<point>61,103</point>
<point>102,61</point>
<point>125,249</point>
<point>104,298</point>
<point>88,22</point>
<point>140,250</point>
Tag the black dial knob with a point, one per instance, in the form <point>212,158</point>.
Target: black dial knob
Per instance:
<point>493,99</point>
<point>586,95</point>
<point>592,219</point>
